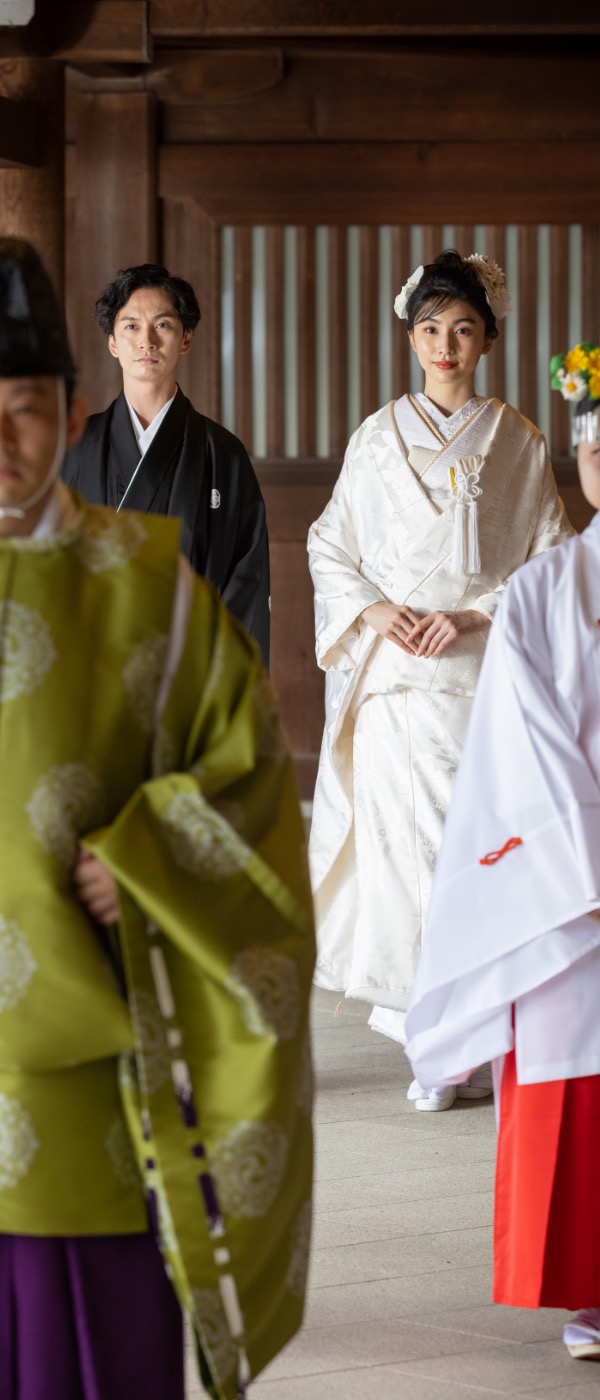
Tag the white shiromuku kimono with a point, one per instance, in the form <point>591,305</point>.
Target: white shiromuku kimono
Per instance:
<point>395,723</point>
<point>511,933</point>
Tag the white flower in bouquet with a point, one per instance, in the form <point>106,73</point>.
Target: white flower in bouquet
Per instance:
<point>572,385</point>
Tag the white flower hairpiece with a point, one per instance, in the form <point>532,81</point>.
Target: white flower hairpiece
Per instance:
<point>400,303</point>
<point>488,273</point>
<point>493,282</point>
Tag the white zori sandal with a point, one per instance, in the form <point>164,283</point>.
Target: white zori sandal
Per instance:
<point>581,1336</point>
<point>479,1086</point>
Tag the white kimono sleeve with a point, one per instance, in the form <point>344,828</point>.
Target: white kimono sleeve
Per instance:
<point>519,868</point>
<point>341,592</point>
<point>550,527</point>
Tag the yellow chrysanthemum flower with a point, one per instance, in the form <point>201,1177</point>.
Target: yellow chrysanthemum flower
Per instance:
<point>594,358</point>
<point>577,358</point>
<point>594,383</point>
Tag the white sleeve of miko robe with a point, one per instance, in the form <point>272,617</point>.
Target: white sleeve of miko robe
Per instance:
<point>341,591</point>
<point>518,876</point>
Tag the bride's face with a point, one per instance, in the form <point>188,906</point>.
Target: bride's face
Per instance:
<point>449,344</point>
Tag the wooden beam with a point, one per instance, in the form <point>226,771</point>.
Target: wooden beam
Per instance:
<point>20,133</point>
<point>343,18</point>
<point>346,93</point>
<point>84,31</point>
<point>219,76</point>
<point>396,184</point>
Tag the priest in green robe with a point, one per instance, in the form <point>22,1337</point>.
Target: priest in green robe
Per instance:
<point>156,940</point>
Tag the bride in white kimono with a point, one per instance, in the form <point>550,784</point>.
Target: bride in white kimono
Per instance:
<point>442,495</point>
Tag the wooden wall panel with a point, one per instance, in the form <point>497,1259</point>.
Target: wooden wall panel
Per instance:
<point>527,321</point>
<point>338,339</point>
<point>559,328</point>
<point>432,242</point>
<point>275,342</point>
<point>295,496</point>
<point>112,180</point>
<point>32,196</point>
<point>306,300</point>
<point>396,183</point>
<point>590,285</point>
<point>190,248</point>
<point>495,242</point>
<point>401,350</point>
<point>369,321</point>
<point>242,342</point>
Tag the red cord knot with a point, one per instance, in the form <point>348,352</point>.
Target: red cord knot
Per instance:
<point>493,856</point>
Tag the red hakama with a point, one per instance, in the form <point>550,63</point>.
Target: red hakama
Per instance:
<point>547,1202</point>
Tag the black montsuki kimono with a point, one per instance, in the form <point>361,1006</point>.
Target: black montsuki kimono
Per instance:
<point>195,469</point>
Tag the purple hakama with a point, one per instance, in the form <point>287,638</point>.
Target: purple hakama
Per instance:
<point>93,1318</point>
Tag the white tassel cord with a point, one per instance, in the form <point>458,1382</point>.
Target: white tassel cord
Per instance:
<point>464,479</point>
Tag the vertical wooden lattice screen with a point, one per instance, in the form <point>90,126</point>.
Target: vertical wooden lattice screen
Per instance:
<point>310,344</point>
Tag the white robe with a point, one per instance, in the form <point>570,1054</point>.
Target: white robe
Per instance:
<point>395,723</point>
<point>519,931</point>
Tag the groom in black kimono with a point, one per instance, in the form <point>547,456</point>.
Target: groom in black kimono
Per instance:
<point>151,451</point>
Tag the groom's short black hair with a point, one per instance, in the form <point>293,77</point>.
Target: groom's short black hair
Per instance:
<point>131,279</point>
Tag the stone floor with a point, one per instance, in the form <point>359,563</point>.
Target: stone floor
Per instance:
<point>398,1306</point>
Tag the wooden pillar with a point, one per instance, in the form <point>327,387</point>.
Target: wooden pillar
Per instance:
<point>32,187</point>
<point>114,221</point>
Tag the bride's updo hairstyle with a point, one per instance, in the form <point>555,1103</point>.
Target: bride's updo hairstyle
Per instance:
<point>450,278</point>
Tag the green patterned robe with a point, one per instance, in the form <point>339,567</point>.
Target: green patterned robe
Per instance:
<point>170,1056</point>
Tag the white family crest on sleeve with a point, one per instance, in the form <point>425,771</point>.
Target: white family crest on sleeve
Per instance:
<point>215,499</point>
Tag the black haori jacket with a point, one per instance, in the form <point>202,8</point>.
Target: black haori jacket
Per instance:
<point>199,471</point>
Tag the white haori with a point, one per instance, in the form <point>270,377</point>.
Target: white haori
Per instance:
<point>395,723</point>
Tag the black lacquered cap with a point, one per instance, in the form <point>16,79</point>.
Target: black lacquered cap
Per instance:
<point>33,334</point>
